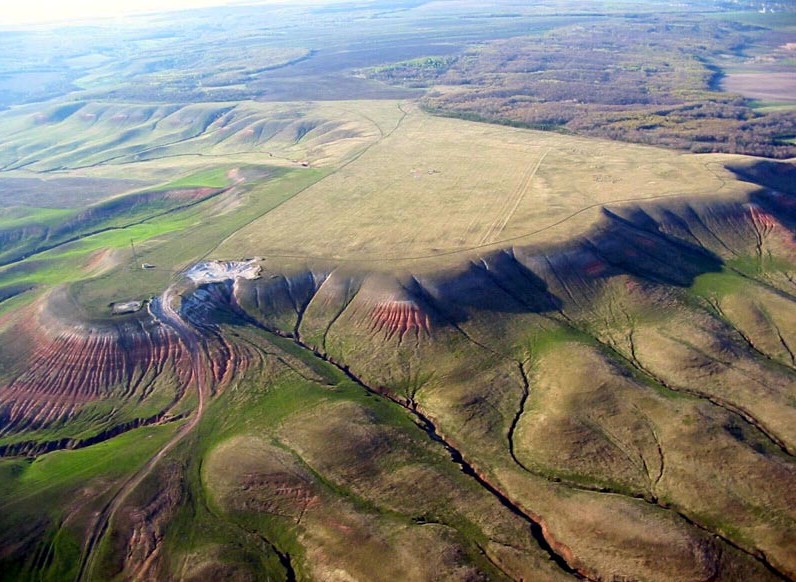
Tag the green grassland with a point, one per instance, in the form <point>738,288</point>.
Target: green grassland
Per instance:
<point>160,228</point>
<point>272,412</point>
<point>171,243</point>
<point>53,492</point>
<point>16,216</point>
<point>215,178</point>
<point>97,133</point>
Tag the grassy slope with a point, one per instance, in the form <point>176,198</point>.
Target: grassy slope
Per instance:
<point>54,494</point>
<point>598,406</point>
<point>171,240</point>
<point>372,501</point>
<point>273,413</point>
<point>312,418</point>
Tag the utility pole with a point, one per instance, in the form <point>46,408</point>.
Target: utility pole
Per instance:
<point>135,256</point>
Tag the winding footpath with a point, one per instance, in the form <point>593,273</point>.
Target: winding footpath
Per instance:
<point>162,310</point>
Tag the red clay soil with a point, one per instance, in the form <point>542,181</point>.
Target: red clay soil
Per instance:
<point>61,370</point>
<point>596,268</point>
<point>398,317</point>
<point>190,194</point>
<point>763,221</point>
<point>57,367</point>
<point>96,258</point>
<point>769,227</point>
<point>147,525</point>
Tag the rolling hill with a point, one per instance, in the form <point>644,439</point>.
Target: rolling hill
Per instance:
<point>289,339</point>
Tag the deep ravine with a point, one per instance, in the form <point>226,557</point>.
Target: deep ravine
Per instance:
<point>537,526</point>
<point>537,529</point>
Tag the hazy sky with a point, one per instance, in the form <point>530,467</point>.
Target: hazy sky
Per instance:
<point>39,11</point>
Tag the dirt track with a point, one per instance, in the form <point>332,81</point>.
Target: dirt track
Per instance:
<point>163,311</point>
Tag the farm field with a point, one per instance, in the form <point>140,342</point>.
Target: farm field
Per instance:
<point>399,290</point>
<point>765,87</point>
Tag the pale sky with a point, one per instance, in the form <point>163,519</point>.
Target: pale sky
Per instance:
<point>16,12</point>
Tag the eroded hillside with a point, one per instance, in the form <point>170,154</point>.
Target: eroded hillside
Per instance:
<point>264,317</point>
<point>572,406</point>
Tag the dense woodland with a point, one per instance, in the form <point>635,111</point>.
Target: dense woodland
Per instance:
<point>645,80</point>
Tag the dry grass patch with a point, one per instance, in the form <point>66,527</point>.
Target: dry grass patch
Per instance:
<point>436,186</point>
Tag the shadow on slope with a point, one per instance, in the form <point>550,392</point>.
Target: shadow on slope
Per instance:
<point>667,244</point>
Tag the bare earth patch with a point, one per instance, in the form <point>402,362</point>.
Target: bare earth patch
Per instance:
<point>762,86</point>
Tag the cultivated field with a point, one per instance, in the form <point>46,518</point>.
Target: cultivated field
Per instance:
<point>769,87</point>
